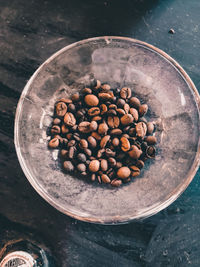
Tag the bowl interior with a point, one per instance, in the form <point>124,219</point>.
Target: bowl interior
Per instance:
<point>157,81</point>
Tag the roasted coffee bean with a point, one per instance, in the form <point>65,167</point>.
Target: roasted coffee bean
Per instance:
<point>54,143</point>
<point>135,171</point>
<point>110,172</point>
<point>80,114</point>
<point>112,162</point>
<point>64,153</point>
<point>103,128</point>
<point>71,143</point>
<point>115,141</point>
<point>112,112</point>
<point>134,113</point>
<point>126,129</point>
<point>88,152</point>
<point>65,100</point>
<point>126,108</point>
<point>123,172</point>
<point>132,131</point>
<point>121,102</point>
<point>61,109</point>
<point>104,141</point>
<point>143,110</point>
<point>151,140</point>
<point>97,84</point>
<point>94,111</point>
<point>105,87</point>
<point>113,122</point>
<point>126,136</point>
<point>150,127</point>
<point>76,136</point>
<point>134,102</point>
<point>139,164</point>
<point>68,166</point>
<point>55,129</point>
<point>125,144</point>
<point>75,97</point>
<point>91,100</point>
<point>150,152</point>
<point>135,152</point>
<point>105,179</point>
<point>69,119</point>
<point>64,129</point>
<point>93,177</point>
<point>120,111</point>
<point>92,142</point>
<point>125,93</point>
<point>116,131</point>
<point>105,96</point>
<point>56,121</point>
<point>71,108</point>
<point>118,165</point>
<point>126,119</point>
<point>64,141</point>
<point>81,167</point>
<point>72,151</point>
<point>94,166</point>
<point>84,127</point>
<point>141,129</point>
<point>104,165</point>
<point>126,180</point>
<point>96,136</point>
<point>103,109</point>
<point>109,152</point>
<point>83,144</point>
<point>97,118</point>
<point>84,173</point>
<point>99,178</point>
<point>81,157</point>
<point>112,106</point>
<point>100,153</point>
<point>93,126</point>
<point>116,182</point>
<point>87,91</point>
<point>69,136</point>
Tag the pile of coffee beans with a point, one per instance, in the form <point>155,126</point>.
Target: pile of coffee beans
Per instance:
<point>102,134</point>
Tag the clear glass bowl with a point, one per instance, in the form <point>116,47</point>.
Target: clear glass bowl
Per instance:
<point>155,78</point>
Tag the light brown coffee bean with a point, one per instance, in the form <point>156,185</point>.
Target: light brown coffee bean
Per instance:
<point>71,143</point>
<point>64,153</point>
<point>113,122</point>
<point>105,96</point>
<point>104,141</point>
<point>116,131</point>
<point>103,128</point>
<point>110,153</point>
<point>61,109</point>
<point>99,179</point>
<point>69,136</point>
<point>112,161</point>
<point>93,177</point>
<point>141,129</point>
<point>96,136</point>
<point>91,100</point>
<point>134,113</point>
<point>103,109</point>
<point>125,93</point>
<point>125,144</point>
<point>126,108</point>
<point>126,136</point>
<point>135,171</point>
<point>135,152</point>
<point>65,100</point>
<point>72,151</point>
<point>143,110</point>
<point>118,165</point>
<point>116,182</point>
<point>64,129</point>
<point>92,141</point>
<point>150,127</point>
<point>55,129</point>
<point>68,166</point>
<point>81,167</point>
<point>97,84</point>
<point>134,102</point>
<point>88,152</point>
<point>105,87</point>
<point>104,165</point>
<point>123,172</point>
<point>105,179</point>
<point>87,91</point>
<point>93,126</point>
<point>54,143</point>
<point>84,127</point>
<point>75,97</point>
<point>97,118</point>
<point>69,119</point>
<point>112,112</point>
<point>112,106</point>
<point>115,141</point>
<point>100,153</point>
<point>126,119</point>
<point>56,121</point>
<point>121,102</point>
<point>151,140</point>
<point>94,111</point>
<point>83,144</point>
<point>120,111</point>
<point>94,166</point>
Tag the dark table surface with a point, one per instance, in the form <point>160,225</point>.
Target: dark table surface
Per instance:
<point>30,31</point>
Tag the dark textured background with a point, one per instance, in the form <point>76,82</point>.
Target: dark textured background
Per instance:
<point>30,31</point>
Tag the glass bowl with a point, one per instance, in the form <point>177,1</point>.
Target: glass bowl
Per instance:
<point>156,79</point>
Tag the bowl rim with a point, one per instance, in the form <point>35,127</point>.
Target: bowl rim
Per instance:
<point>112,219</point>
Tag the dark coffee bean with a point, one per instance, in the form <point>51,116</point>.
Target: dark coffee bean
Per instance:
<point>88,152</point>
<point>74,128</point>
<point>71,143</point>
<point>69,136</point>
<point>142,119</point>
<point>64,153</point>
<point>72,151</point>
<point>71,108</point>
<point>61,109</point>
<point>135,171</point>
<point>121,156</point>
<point>151,140</point>
<point>92,142</point>
<point>139,164</point>
<point>126,180</point>
<point>125,93</point>
<point>55,129</point>
<point>87,161</point>
<point>56,121</point>
<point>93,177</point>
<point>132,132</point>
<point>81,167</point>
<point>54,143</point>
<point>65,141</point>
<point>120,111</point>
<point>143,110</point>
<point>116,182</point>
<point>64,129</point>
<point>126,129</point>
<point>76,137</point>
<point>112,112</point>
<point>96,84</point>
<point>109,152</point>
<point>112,106</point>
<point>144,146</point>
<point>134,102</point>
<point>87,91</point>
<point>79,114</point>
<point>112,162</point>
<point>150,152</point>
<point>81,157</point>
<point>121,102</point>
<point>150,127</point>
<point>75,97</point>
<point>68,166</point>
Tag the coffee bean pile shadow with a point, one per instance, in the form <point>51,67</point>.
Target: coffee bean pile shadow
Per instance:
<point>102,134</point>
